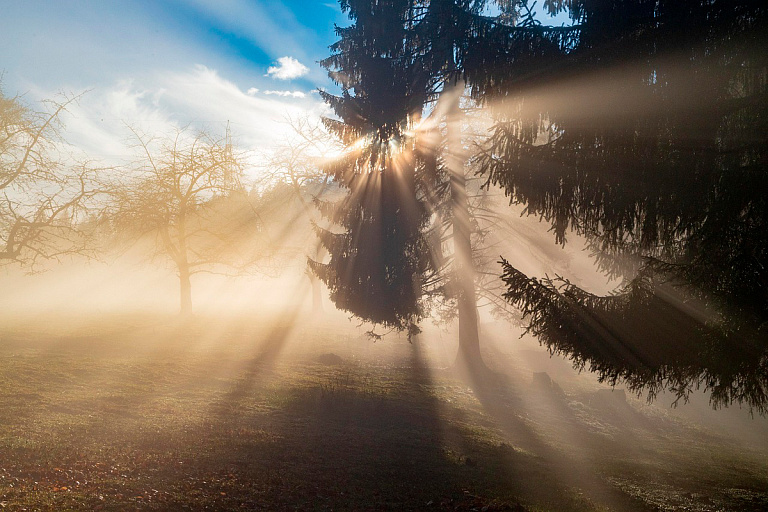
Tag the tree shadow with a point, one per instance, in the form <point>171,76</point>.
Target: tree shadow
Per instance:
<point>267,432</point>
<point>359,438</point>
<point>258,368</point>
<point>537,419</point>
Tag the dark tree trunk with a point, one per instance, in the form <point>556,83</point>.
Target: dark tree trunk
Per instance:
<point>468,357</point>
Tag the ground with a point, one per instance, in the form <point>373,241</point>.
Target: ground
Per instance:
<point>281,412</point>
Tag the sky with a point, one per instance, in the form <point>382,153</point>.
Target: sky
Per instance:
<point>159,65</point>
<point>162,64</point>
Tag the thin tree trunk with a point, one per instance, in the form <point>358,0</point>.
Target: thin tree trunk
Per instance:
<point>185,287</point>
<point>317,303</point>
<point>468,357</point>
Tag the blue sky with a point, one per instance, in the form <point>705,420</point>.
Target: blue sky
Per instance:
<point>86,42</point>
<point>157,65</point>
<point>165,63</point>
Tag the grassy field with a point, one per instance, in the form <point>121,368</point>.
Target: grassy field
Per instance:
<point>147,413</point>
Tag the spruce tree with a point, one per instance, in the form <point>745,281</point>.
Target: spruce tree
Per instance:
<point>642,127</point>
<point>378,258</point>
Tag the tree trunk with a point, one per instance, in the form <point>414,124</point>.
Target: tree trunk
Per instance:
<point>468,357</point>
<point>185,289</point>
<point>317,303</point>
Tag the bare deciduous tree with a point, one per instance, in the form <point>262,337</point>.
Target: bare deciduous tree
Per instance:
<point>186,191</point>
<point>45,192</point>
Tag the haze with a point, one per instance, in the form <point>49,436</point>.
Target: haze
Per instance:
<point>451,256</point>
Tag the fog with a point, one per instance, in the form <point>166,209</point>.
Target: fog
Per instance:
<point>129,287</point>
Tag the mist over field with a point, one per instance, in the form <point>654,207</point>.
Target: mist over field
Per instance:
<point>257,401</point>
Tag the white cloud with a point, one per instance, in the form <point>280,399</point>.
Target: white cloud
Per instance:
<point>98,124</point>
<point>199,97</point>
<point>293,94</point>
<point>252,91</point>
<point>287,69</point>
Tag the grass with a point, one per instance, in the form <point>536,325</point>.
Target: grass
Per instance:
<point>149,414</point>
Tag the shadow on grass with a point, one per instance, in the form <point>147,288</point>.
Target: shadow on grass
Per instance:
<point>537,419</point>
<point>618,456</point>
<point>263,432</point>
<point>351,441</point>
